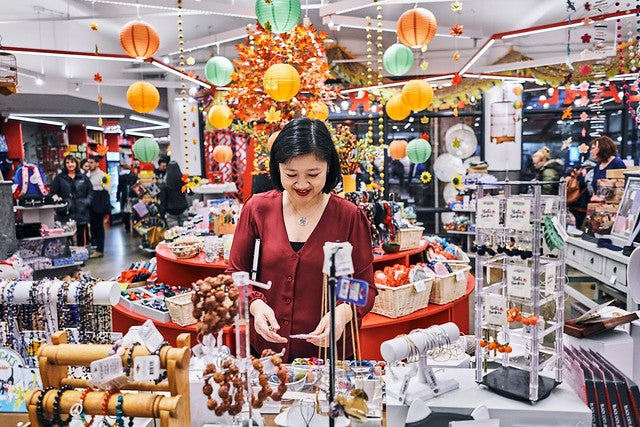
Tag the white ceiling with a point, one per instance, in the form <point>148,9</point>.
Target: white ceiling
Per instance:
<point>65,25</point>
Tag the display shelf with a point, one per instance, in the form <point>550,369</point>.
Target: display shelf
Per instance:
<point>463,210</point>
<point>59,236</point>
<point>56,267</point>
<point>31,208</point>
<point>466,233</point>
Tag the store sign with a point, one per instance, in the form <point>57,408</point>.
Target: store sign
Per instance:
<point>112,127</point>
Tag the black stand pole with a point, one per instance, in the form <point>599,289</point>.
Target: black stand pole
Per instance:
<point>332,343</point>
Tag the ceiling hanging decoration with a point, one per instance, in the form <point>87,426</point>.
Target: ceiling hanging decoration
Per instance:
<point>278,16</point>
<point>218,70</point>
<point>397,59</point>
<point>183,92</point>
<point>139,39</point>
<point>398,149</point>
<point>220,116</point>
<point>97,77</point>
<point>368,137</point>
<point>418,150</point>
<point>456,30</point>
<point>416,27</point>
<point>146,149</point>
<point>379,69</point>
<point>460,140</point>
<point>222,154</point>
<point>417,94</point>
<point>396,108</point>
<point>318,111</point>
<point>143,97</point>
<point>281,82</point>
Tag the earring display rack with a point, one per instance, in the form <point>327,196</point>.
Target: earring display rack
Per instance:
<point>519,317</point>
<point>172,410</point>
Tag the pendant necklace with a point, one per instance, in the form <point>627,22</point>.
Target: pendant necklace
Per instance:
<point>303,219</point>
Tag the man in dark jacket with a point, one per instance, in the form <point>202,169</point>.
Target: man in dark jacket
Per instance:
<point>127,179</point>
<point>100,205</point>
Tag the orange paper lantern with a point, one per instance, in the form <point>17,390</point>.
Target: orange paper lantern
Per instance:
<point>396,108</point>
<point>222,154</point>
<point>272,139</point>
<point>281,82</point>
<point>318,110</point>
<point>416,27</point>
<point>143,97</point>
<point>398,149</point>
<point>417,95</point>
<point>220,116</point>
<point>139,39</point>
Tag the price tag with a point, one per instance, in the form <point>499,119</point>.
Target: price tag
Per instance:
<point>358,290</point>
<point>343,262</point>
<point>107,372</point>
<point>519,281</point>
<point>420,286</point>
<point>146,368</point>
<point>149,336</point>
<point>460,275</point>
<point>495,309</point>
<point>487,212</point>
<point>197,351</point>
<point>550,277</point>
<point>548,206</point>
<point>518,215</point>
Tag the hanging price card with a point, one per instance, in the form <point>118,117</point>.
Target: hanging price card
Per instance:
<point>353,291</point>
<point>519,281</point>
<point>518,215</point>
<point>495,309</point>
<point>488,212</point>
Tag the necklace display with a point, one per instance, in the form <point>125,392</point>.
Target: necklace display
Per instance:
<point>302,220</point>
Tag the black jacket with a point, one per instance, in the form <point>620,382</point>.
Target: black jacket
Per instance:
<point>172,199</point>
<point>124,187</point>
<point>77,193</point>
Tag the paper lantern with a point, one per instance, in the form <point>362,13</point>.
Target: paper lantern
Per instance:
<point>417,95</point>
<point>281,82</point>
<point>418,150</point>
<point>218,70</point>
<point>397,59</point>
<point>398,149</point>
<point>143,97</point>
<point>139,39</point>
<point>318,110</point>
<point>222,154</point>
<point>279,16</point>
<point>503,122</point>
<point>446,166</point>
<point>416,27</point>
<point>220,116</point>
<point>518,89</point>
<point>272,139</point>
<point>146,149</point>
<point>396,108</point>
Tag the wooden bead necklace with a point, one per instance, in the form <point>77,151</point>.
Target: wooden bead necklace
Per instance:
<point>215,303</point>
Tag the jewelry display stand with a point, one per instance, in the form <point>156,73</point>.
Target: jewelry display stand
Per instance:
<point>172,410</point>
<point>522,297</point>
<point>414,348</point>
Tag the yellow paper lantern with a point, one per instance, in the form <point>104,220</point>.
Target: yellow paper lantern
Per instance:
<point>416,27</point>
<point>396,108</point>
<point>220,116</point>
<point>143,97</point>
<point>417,95</point>
<point>222,154</point>
<point>281,82</point>
<point>318,110</point>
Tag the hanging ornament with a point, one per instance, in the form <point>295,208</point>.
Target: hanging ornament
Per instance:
<point>318,110</point>
<point>566,144</point>
<point>397,59</point>
<point>584,116</point>
<point>273,115</point>
<point>139,39</point>
<point>418,150</point>
<point>278,16</point>
<point>396,108</point>
<point>586,38</point>
<point>456,6</point>
<point>220,116</point>
<point>457,180</point>
<point>218,70</point>
<point>281,82</point>
<point>456,30</point>
<point>143,97</point>
<point>517,89</point>
<point>587,6</point>
<point>97,77</point>
<point>585,70</point>
<point>417,94</point>
<point>222,154</point>
<point>424,120</point>
<point>94,26</point>
<point>517,104</point>
<point>566,114</point>
<point>455,112</point>
<point>416,27</point>
<point>398,149</point>
<point>191,60</point>
<point>456,79</point>
<point>425,177</point>
<point>146,149</point>
<point>456,56</point>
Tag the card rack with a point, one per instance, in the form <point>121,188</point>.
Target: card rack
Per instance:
<point>172,410</point>
<point>520,348</point>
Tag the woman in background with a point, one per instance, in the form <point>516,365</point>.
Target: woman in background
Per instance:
<point>547,169</point>
<point>605,152</point>
<point>173,202</point>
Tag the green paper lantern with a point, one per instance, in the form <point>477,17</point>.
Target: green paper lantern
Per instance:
<point>218,70</point>
<point>397,59</point>
<point>146,149</point>
<point>279,16</point>
<point>418,150</point>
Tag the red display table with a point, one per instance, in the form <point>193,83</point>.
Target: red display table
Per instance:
<point>375,328</point>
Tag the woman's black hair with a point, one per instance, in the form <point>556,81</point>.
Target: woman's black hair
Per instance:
<point>305,136</point>
<point>75,160</point>
<point>173,177</point>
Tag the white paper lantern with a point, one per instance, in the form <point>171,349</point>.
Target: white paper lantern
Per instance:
<point>503,122</point>
<point>461,141</point>
<point>447,166</point>
<point>449,193</point>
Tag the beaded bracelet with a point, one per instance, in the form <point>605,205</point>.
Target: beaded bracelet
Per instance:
<point>83,416</point>
<point>105,403</point>
<point>130,358</point>
<point>119,412</point>
<point>40,409</point>
<point>57,420</point>
<point>163,374</point>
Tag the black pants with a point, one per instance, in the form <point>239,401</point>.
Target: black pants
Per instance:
<point>126,220</point>
<point>97,230</point>
<point>81,234</point>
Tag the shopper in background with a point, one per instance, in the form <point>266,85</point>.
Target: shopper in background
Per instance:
<point>161,170</point>
<point>84,167</point>
<point>605,152</point>
<point>75,189</point>
<point>293,223</point>
<point>173,202</point>
<point>100,205</point>
<point>126,181</point>
<point>547,169</point>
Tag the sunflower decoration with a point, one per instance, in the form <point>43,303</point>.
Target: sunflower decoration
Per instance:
<point>457,180</point>
<point>106,180</point>
<point>425,177</point>
<point>196,180</point>
<point>190,183</point>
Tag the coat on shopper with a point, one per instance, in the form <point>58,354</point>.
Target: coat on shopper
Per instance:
<point>550,171</point>
<point>77,193</point>
<point>172,200</point>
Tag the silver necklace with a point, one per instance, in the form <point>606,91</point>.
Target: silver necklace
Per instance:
<point>302,221</point>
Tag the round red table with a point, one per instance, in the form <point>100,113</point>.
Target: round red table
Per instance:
<point>185,271</point>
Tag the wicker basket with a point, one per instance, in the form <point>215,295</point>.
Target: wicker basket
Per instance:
<point>409,238</point>
<point>185,249</point>
<point>402,300</point>
<point>451,286</point>
<point>463,258</point>
<point>181,309</point>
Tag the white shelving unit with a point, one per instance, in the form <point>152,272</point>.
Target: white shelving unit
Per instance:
<point>43,214</point>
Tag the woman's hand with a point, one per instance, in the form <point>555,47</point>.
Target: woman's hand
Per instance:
<point>321,335</point>
<point>265,321</point>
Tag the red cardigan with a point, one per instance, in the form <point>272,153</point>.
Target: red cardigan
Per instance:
<point>296,293</point>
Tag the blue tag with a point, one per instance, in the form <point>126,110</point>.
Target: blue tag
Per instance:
<point>353,291</point>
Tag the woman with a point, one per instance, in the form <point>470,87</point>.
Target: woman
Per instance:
<point>173,201</point>
<point>547,169</point>
<point>75,189</point>
<point>605,152</point>
<point>293,222</point>
<point>124,193</point>
<point>84,166</point>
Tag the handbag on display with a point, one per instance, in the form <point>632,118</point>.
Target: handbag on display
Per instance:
<point>138,189</point>
<point>153,189</point>
<point>141,209</point>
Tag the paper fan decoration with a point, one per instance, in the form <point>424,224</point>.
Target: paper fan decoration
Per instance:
<point>449,193</point>
<point>447,166</point>
<point>461,141</point>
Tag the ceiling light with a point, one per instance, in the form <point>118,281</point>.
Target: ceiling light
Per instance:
<point>142,134</point>
<point>142,129</point>
<point>193,91</point>
<point>39,81</point>
<point>77,88</point>
<point>97,128</point>
<point>35,120</point>
<point>81,116</point>
<point>148,120</point>
<point>166,60</point>
<point>175,72</point>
